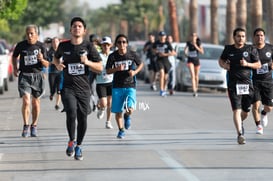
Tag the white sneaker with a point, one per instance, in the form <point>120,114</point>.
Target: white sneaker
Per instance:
<point>259,130</point>
<point>108,125</point>
<point>264,120</point>
<point>100,113</point>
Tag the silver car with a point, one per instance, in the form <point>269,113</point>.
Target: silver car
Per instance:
<point>211,74</point>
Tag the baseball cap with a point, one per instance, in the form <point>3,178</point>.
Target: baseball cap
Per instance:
<point>162,33</point>
<point>106,40</point>
<point>78,19</point>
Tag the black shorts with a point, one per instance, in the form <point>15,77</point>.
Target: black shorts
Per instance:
<point>263,91</point>
<point>240,101</point>
<point>195,62</point>
<point>164,64</point>
<point>104,90</point>
<point>153,66</point>
<point>31,83</point>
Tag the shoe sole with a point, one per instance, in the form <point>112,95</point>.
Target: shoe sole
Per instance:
<point>241,140</point>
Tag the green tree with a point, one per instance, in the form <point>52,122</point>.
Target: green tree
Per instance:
<point>12,9</point>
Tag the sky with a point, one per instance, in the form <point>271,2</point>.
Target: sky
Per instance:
<point>94,4</point>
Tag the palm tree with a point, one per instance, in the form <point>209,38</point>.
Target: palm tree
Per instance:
<point>214,21</point>
<point>230,20</point>
<point>256,14</point>
<point>193,16</point>
<point>173,20</point>
<point>242,14</point>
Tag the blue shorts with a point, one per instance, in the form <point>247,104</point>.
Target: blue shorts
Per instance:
<point>123,98</point>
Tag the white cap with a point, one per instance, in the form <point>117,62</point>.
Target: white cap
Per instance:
<point>105,40</point>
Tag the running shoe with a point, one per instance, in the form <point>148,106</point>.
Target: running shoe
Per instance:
<point>108,125</point>
<point>70,149</point>
<point>57,107</point>
<point>162,93</point>
<point>78,153</point>
<point>121,134</point>
<point>264,120</point>
<point>241,139</point>
<point>259,129</point>
<point>100,113</point>
<point>33,131</point>
<point>127,121</point>
<point>153,87</point>
<point>26,131</point>
<point>195,94</point>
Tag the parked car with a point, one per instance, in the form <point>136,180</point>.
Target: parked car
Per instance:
<point>211,74</point>
<point>9,51</point>
<point>4,64</point>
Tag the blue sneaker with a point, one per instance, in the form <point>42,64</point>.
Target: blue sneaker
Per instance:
<point>33,131</point>
<point>121,134</point>
<point>127,121</point>
<point>70,149</point>
<point>162,93</point>
<point>78,153</point>
<point>26,131</point>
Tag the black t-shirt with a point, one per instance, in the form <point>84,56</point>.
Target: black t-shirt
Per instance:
<point>266,56</point>
<point>237,73</point>
<point>162,48</point>
<point>75,73</point>
<point>28,61</point>
<point>121,78</point>
<point>193,53</point>
<point>149,50</point>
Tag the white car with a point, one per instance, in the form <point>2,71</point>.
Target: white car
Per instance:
<point>211,74</point>
<point>4,65</point>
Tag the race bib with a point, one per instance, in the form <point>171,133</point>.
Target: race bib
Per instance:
<point>242,89</point>
<point>192,54</point>
<point>76,69</point>
<point>30,60</point>
<point>263,70</point>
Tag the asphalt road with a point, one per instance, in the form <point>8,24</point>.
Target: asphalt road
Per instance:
<point>177,138</point>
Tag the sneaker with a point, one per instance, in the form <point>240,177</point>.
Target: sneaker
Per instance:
<point>162,93</point>
<point>51,97</point>
<point>241,139</point>
<point>57,107</point>
<point>153,87</point>
<point>33,131</point>
<point>26,131</point>
<point>171,92</point>
<point>108,125</point>
<point>127,121</point>
<point>70,149</point>
<point>78,153</point>
<point>259,130</point>
<point>121,134</point>
<point>195,94</point>
<point>264,120</point>
<point>100,113</point>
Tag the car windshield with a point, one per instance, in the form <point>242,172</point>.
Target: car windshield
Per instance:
<point>211,53</point>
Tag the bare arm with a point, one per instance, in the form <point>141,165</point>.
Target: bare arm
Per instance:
<point>224,64</point>
<point>94,66</point>
<point>15,66</point>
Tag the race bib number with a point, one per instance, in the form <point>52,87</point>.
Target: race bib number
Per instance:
<point>192,53</point>
<point>242,89</point>
<point>107,77</point>
<point>263,70</point>
<point>76,69</point>
<point>30,60</point>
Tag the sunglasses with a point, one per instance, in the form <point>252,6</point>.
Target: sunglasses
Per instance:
<point>120,42</point>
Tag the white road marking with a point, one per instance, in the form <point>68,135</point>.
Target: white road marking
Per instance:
<point>179,168</point>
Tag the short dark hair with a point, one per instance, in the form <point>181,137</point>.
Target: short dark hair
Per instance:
<point>238,30</point>
<point>121,35</point>
<point>257,30</point>
<point>77,19</point>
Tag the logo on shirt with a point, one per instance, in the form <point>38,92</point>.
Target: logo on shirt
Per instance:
<point>245,54</point>
<point>268,54</point>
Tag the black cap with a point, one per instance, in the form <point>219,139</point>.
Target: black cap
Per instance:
<point>78,19</point>
<point>162,33</point>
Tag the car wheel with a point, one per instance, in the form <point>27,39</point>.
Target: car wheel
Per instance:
<point>6,86</point>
